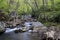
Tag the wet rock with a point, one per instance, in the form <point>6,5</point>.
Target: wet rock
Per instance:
<point>37,24</point>
<point>24,29</point>
<point>31,28</point>
<point>1,32</point>
<point>17,24</point>
<point>22,25</point>
<point>17,31</point>
<point>10,26</point>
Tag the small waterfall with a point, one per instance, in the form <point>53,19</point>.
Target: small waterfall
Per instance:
<point>27,24</point>
<point>8,30</point>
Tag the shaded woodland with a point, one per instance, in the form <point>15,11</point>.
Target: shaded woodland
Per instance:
<point>42,10</point>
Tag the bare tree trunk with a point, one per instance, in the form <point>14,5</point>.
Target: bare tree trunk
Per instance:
<point>52,5</point>
<point>36,5</point>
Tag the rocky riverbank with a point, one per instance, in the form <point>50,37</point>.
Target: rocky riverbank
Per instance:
<point>33,26</point>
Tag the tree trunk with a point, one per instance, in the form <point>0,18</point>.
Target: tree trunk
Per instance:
<point>52,5</point>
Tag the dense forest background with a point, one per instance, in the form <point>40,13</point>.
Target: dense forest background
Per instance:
<point>43,10</point>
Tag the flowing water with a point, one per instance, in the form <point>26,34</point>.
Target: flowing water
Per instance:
<point>18,36</point>
<point>10,35</point>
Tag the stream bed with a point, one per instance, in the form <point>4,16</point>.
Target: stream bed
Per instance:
<point>11,35</point>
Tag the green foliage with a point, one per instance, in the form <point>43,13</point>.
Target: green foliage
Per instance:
<point>36,7</point>
<point>3,17</point>
<point>57,17</point>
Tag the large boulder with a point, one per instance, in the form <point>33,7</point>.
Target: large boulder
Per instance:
<point>50,34</point>
<point>37,24</point>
